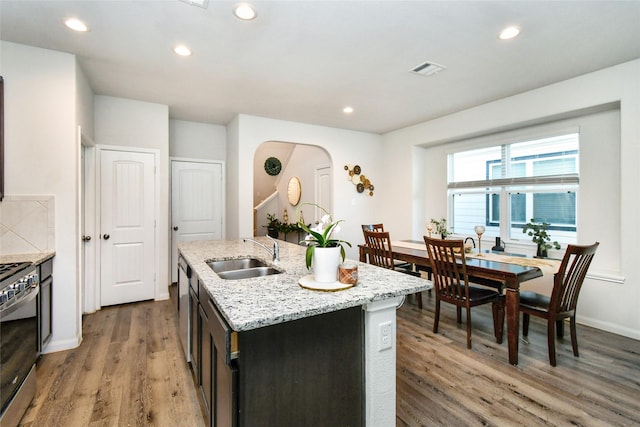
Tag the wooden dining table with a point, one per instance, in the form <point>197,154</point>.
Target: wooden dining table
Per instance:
<point>502,275</point>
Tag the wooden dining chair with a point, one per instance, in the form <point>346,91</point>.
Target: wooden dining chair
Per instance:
<point>562,303</point>
<point>380,227</point>
<point>451,283</point>
<point>380,253</point>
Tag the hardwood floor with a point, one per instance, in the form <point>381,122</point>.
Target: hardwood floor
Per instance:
<point>440,382</point>
<point>130,370</point>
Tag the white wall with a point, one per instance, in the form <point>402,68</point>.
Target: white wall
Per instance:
<point>605,304</point>
<point>304,161</point>
<point>197,140</point>
<point>84,102</point>
<point>233,186</point>
<point>344,147</point>
<point>41,158</point>
<point>137,124</point>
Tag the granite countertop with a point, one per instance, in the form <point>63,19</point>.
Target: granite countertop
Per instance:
<point>34,258</point>
<point>262,301</point>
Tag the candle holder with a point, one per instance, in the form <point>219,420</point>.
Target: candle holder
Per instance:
<point>479,229</point>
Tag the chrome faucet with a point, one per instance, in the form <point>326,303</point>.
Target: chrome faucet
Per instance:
<point>275,253</point>
<point>472,241</point>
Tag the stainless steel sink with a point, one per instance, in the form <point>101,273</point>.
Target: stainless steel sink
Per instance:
<point>248,273</point>
<point>241,268</point>
<point>235,264</point>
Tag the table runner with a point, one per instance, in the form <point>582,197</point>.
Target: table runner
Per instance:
<point>542,285</point>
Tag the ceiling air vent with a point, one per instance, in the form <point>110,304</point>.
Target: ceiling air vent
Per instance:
<point>427,69</point>
<point>200,3</point>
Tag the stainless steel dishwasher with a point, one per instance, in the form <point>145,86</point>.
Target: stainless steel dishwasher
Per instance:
<point>184,322</point>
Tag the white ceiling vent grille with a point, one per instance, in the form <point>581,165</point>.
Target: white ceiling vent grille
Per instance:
<point>200,3</point>
<point>427,69</point>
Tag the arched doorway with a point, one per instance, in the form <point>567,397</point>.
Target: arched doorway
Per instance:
<point>312,166</point>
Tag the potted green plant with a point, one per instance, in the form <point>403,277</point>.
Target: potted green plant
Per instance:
<point>273,228</point>
<point>539,236</point>
<point>441,227</point>
<point>320,239</point>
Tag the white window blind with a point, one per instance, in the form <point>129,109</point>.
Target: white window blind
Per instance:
<point>504,186</point>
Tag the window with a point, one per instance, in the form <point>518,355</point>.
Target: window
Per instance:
<point>504,186</point>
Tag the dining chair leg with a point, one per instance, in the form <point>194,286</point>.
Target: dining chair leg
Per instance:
<point>560,328</point>
<point>436,317</point>
<point>525,324</point>
<point>468,326</point>
<point>419,298</point>
<point>498,319</point>
<point>574,336</point>
<point>551,338</point>
<point>459,314</point>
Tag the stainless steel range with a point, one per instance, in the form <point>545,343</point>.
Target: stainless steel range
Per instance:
<point>19,287</point>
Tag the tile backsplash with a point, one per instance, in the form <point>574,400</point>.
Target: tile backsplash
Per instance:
<point>27,224</point>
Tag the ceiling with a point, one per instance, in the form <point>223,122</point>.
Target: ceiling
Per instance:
<point>305,60</point>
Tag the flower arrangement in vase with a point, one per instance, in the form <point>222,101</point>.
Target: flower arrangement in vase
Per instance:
<point>319,238</point>
<point>538,232</point>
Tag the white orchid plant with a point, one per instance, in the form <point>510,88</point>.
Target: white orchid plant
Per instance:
<point>322,234</point>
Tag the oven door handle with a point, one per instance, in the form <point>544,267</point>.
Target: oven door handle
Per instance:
<point>23,301</point>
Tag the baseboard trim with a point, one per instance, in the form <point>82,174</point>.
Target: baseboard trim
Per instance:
<point>61,345</point>
<point>609,327</point>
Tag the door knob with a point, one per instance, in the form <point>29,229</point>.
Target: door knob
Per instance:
<point>175,228</point>
<point>86,238</point>
<point>105,236</point>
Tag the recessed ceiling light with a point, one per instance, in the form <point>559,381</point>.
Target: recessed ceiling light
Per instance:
<point>509,33</point>
<point>76,25</point>
<point>182,50</point>
<point>347,110</point>
<point>245,11</point>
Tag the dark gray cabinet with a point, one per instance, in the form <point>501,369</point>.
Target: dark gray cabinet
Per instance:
<point>218,372</point>
<point>45,330</point>
<point>308,372</point>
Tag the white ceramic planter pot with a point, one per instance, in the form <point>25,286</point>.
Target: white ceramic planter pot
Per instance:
<point>325,264</point>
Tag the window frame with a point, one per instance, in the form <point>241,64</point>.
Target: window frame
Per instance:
<point>504,188</point>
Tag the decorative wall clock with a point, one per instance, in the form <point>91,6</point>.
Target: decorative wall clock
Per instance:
<point>272,166</point>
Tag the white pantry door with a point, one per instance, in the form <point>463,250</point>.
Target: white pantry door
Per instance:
<point>196,204</point>
<point>127,227</point>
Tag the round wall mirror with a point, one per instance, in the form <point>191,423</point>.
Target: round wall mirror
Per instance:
<point>294,190</point>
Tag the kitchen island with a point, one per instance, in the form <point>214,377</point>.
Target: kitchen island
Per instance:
<point>285,355</point>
